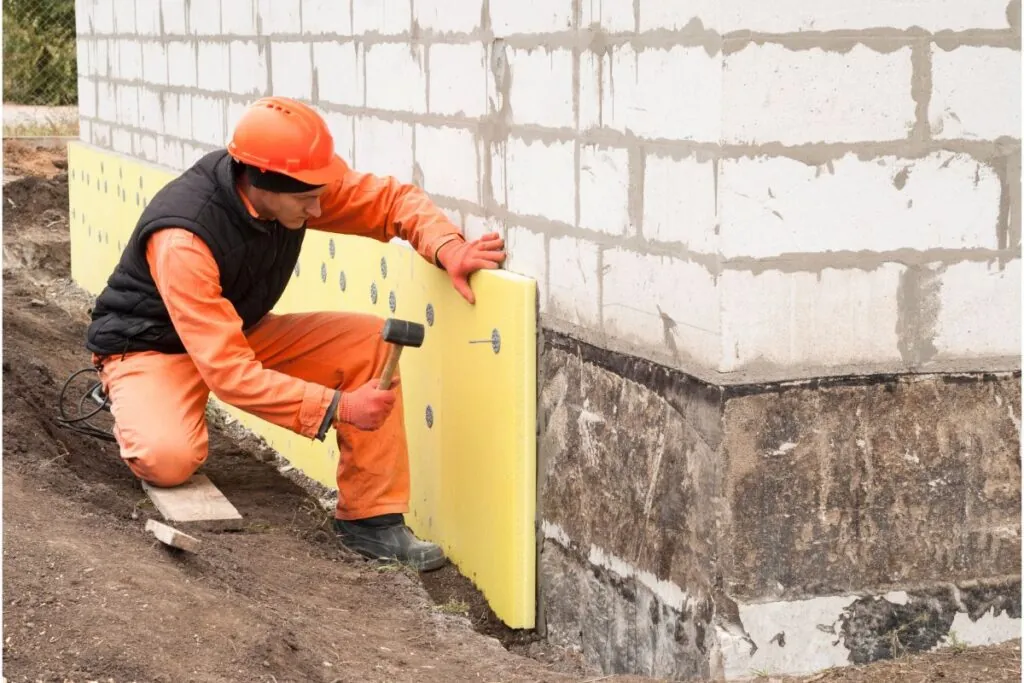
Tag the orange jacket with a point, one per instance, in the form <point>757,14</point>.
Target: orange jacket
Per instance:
<point>188,279</point>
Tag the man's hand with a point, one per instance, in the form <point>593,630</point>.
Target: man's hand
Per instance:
<point>367,407</point>
<point>462,259</point>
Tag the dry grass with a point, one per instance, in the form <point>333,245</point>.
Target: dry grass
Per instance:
<point>42,129</point>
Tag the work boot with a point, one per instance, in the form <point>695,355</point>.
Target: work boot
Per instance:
<point>388,539</point>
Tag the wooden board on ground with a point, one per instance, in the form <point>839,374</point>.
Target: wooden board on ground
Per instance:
<point>168,535</point>
<point>197,504</point>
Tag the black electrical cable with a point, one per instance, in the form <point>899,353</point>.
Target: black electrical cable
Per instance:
<point>81,424</point>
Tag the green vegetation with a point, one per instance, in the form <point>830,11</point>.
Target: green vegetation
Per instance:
<point>453,606</point>
<point>40,57</point>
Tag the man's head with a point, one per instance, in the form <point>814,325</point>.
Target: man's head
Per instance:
<point>288,155</point>
<point>280,197</point>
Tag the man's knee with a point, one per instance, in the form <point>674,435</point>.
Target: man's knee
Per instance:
<point>169,460</point>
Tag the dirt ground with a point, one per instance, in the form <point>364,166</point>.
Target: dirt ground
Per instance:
<point>89,595</point>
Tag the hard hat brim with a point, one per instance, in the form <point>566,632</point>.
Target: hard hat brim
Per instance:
<point>325,175</point>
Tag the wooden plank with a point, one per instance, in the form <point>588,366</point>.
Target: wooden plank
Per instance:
<point>196,502</point>
<point>168,535</point>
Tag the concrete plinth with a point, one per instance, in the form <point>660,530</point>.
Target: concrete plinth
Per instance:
<point>699,530</point>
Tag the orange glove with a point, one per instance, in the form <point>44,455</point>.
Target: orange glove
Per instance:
<point>367,407</point>
<point>462,259</point>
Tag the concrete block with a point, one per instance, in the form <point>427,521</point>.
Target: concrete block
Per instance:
<point>395,78</point>
<point>106,102</point>
<point>653,93</point>
<point>826,319</point>
<point>103,17</point>
<point>83,12</point>
<point>181,64</point>
<point>192,153</point>
<point>86,98</point>
<point>177,115</point>
<point>541,92</point>
<point>327,17</point>
<point>458,80</point>
<point>85,131</point>
<point>613,16</point>
<point>114,56</point>
<point>147,17</point>
<point>475,227</point>
<point>208,120</point>
<point>675,16</point>
<point>291,66</point>
<point>151,117</point>
<point>448,16</point>
<point>384,147</point>
<point>339,72</point>
<point>780,206</point>
<point>121,141</point>
<point>384,17</point>
<point>509,17</point>
<point>83,47</point>
<point>154,63</point>
<point>450,160</point>
<point>772,94</point>
<point>277,17</point>
<point>525,254</point>
<point>232,114</point>
<point>663,304</point>
<point>169,153</point>
<point>975,93</point>
<point>604,189</point>
<point>124,17</point>
<point>129,60</point>
<point>215,66</point>
<point>341,127</point>
<point>98,62</point>
<point>204,18</point>
<point>127,105</point>
<point>248,72</point>
<point>238,17</point>
<point>535,179</point>
<point>680,202</point>
<point>174,17</point>
<point>101,134</point>
<point>979,311</point>
<point>573,281</point>
<point>791,16</point>
<point>144,145</point>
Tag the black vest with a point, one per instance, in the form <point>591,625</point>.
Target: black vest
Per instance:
<point>256,259</point>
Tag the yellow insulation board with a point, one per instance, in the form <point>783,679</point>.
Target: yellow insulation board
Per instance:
<point>470,390</point>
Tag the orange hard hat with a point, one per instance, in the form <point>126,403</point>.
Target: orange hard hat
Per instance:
<point>285,136</point>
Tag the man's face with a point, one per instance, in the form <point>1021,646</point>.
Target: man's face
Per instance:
<point>293,210</point>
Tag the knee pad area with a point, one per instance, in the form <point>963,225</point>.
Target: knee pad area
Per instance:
<point>169,463</point>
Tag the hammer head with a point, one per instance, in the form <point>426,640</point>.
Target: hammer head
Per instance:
<point>402,332</point>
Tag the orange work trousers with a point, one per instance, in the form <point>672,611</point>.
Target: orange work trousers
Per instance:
<point>158,402</point>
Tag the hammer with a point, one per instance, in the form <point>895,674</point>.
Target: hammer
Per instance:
<point>398,333</point>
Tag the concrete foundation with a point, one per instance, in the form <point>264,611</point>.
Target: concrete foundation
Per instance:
<point>698,530</point>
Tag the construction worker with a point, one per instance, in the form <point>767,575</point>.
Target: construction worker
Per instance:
<point>187,311</point>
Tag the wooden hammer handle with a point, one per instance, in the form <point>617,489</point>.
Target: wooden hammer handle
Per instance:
<point>389,366</point>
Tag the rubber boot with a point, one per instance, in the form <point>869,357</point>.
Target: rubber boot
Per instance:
<point>388,539</point>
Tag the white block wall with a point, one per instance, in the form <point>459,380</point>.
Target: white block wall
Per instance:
<point>737,188</point>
